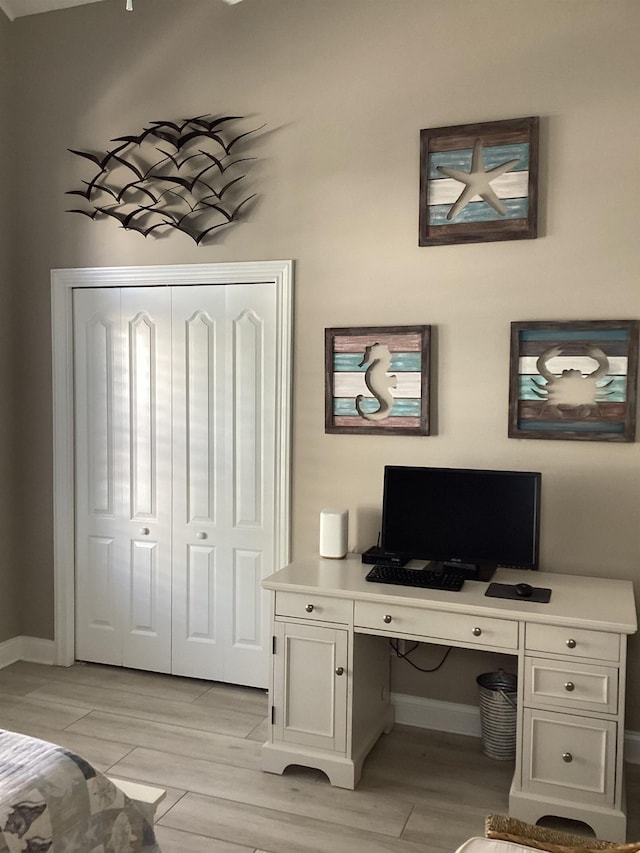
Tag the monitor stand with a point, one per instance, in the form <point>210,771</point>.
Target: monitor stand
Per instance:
<point>471,571</point>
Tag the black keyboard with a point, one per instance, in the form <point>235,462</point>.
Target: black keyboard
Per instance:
<point>425,578</point>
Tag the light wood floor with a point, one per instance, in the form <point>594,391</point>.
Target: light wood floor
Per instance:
<point>420,790</point>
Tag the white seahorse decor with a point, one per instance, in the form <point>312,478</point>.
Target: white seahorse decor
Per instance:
<point>377,380</point>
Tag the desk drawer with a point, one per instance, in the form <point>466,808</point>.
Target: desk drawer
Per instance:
<point>571,685</point>
<point>320,608</point>
<point>576,642</point>
<point>436,624</point>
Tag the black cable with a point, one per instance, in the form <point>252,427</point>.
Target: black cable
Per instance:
<point>405,656</point>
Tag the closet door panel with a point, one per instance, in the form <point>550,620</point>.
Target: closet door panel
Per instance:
<point>247,374</point>
<point>102,583</point>
<point>199,514</point>
<point>143,436</point>
<point>147,376</point>
<point>101,341</point>
<point>247,615</point>
<point>250,413</point>
<point>142,609</point>
<point>250,423</point>
<point>98,633</point>
<point>201,593</point>
<point>199,415</point>
<point>99,533</point>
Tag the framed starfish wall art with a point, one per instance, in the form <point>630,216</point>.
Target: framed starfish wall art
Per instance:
<point>479,182</point>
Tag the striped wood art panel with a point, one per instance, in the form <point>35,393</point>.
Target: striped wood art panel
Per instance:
<point>406,346</point>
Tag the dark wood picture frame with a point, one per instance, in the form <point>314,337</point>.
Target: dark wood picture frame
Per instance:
<point>507,207</point>
<point>377,380</point>
<point>574,380</point>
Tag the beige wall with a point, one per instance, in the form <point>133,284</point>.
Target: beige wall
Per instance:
<point>9,611</point>
<point>344,87</point>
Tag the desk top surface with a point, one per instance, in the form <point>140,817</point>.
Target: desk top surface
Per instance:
<point>597,603</point>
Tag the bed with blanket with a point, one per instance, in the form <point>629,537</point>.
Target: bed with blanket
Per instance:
<point>53,801</point>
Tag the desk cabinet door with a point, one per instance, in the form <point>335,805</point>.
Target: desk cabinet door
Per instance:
<point>569,757</point>
<point>310,686</point>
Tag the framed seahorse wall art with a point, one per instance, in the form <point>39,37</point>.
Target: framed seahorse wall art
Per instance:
<point>479,182</point>
<point>377,380</point>
<point>574,380</point>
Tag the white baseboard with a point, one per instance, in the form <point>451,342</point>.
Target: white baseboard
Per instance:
<point>434,714</point>
<point>32,649</point>
<point>37,650</point>
<point>465,720</point>
<point>10,651</point>
<point>632,747</point>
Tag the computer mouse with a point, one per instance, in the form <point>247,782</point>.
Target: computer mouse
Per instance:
<point>524,590</point>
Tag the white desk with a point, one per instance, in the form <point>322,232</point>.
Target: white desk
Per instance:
<point>329,689</point>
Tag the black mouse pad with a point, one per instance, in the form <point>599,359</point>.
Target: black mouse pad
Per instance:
<point>540,594</point>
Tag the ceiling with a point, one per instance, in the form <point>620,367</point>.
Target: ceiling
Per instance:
<point>19,8</point>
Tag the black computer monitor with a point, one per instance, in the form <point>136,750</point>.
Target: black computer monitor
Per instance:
<point>473,520</point>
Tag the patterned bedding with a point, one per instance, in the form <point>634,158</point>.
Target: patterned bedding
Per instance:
<point>53,801</point>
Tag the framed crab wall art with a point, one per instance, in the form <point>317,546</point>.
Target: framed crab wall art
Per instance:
<point>377,380</point>
<point>574,380</point>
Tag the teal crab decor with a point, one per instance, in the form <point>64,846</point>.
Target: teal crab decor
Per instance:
<point>574,380</point>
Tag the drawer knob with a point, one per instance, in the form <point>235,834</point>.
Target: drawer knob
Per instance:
<point>571,644</point>
<point>144,531</point>
<point>309,608</point>
<point>340,670</point>
<point>476,632</point>
<point>387,619</point>
<point>569,686</point>
<point>566,756</point>
<point>201,534</point>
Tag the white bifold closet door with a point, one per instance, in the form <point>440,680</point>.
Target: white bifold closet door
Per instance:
<point>175,448</point>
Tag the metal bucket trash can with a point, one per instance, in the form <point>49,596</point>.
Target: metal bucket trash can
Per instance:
<point>498,713</point>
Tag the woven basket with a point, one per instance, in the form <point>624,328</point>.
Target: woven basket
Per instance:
<point>498,714</point>
<point>516,831</point>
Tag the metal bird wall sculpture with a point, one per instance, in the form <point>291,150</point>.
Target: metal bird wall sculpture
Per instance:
<point>183,175</point>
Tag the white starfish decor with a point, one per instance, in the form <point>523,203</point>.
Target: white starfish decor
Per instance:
<point>477,181</point>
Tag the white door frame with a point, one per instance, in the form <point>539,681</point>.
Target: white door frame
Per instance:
<point>63,282</point>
